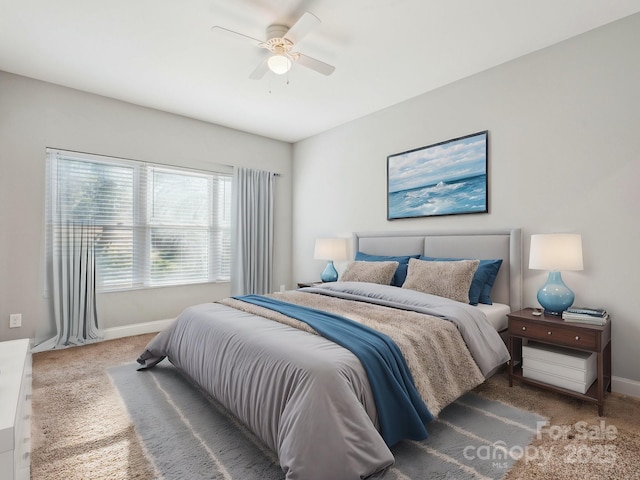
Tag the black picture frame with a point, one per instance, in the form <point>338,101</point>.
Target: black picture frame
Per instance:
<point>446,178</point>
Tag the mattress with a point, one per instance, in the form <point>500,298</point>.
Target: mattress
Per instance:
<point>496,314</point>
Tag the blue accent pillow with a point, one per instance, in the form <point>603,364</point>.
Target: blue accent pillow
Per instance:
<point>491,267</point>
<point>403,263</point>
<point>483,279</point>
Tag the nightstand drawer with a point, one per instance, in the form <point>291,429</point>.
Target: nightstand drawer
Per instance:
<point>571,337</point>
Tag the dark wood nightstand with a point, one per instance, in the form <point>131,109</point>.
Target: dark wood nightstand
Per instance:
<point>553,330</point>
<point>308,284</point>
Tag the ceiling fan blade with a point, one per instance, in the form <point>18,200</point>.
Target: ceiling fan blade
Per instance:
<point>307,22</point>
<point>218,27</point>
<point>260,70</point>
<point>313,64</point>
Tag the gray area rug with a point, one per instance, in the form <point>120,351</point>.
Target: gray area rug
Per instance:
<point>188,435</point>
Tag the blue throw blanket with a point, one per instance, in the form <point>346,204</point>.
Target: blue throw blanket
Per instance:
<point>401,412</point>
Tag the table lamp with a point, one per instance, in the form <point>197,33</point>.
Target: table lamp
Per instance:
<point>332,249</point>
<point>555,252</point>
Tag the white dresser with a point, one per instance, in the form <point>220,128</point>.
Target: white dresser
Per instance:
<point>15,409</point>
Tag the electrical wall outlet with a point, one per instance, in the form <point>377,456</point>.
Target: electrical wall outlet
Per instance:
<point>15,320</point>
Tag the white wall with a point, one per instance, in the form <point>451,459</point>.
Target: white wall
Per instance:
<point>564,136</point>
<point>35,115</point>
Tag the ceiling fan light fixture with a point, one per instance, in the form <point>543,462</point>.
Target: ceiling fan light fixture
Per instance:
<point>279,63</point>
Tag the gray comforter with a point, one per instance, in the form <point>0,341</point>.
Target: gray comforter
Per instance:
<point>307,398</point>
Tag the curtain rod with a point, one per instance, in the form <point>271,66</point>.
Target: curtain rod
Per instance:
<point>47,149</point>
<point>54,149</point>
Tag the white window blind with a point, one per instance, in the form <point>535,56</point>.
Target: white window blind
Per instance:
<point>154,224</point>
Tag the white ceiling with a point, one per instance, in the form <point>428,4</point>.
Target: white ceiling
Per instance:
<point>163,53</point>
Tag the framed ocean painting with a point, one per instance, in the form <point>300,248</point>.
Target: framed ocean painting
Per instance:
<point>447,178</point>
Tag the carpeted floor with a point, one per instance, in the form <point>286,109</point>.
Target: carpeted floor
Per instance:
<point>81,430</point>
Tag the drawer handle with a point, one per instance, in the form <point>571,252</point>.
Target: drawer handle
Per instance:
<point>549,333</point>
<point>577,337</point>
<point>524,328</point>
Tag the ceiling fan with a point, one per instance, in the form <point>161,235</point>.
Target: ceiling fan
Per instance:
<point>281,41</point>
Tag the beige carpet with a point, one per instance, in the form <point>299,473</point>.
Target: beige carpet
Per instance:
<point>81,430</point>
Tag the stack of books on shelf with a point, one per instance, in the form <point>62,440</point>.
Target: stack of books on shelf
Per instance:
<point>593,316</point>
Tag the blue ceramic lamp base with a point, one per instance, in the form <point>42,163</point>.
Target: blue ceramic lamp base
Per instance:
<point>555,297</point>
<point>330,273</point>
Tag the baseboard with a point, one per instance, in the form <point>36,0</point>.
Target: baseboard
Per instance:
<point>625,386</point>
<point>135,329</point>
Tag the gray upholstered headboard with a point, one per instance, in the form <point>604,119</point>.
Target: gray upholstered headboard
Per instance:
<point>504,244</point>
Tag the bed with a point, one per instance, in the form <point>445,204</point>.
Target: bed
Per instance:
<point>315,399</point>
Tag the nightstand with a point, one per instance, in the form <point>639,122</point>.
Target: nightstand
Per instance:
<point>552,330</point>
<point>308,284</point>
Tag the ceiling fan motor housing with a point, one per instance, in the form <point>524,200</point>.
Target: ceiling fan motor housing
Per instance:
<point>276,42</point>
<point>276,31</point>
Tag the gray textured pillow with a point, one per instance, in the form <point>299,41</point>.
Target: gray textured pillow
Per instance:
<point>445,279</point>
<point>371,272</point>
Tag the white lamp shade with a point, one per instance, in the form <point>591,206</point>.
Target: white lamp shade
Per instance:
<point>556,252</point>
<point>279,64</point>
<point>334,249</point>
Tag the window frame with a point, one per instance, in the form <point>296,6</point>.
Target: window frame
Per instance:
<point>218,229</point>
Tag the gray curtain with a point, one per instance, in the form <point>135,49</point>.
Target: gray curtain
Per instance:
<point>252,231</point>
<point>73,286</point>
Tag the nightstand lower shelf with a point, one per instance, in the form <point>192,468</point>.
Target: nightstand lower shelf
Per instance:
<point>590,396</point>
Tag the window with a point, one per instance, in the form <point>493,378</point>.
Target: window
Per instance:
<point>154,224</point>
